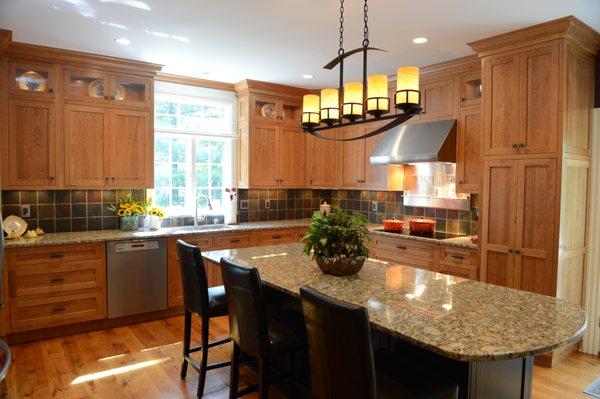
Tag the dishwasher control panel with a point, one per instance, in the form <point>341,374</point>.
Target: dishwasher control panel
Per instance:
<point>136,246</point>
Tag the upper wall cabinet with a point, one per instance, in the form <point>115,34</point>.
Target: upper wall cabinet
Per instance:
<point>67,116</point>
<point>34,80</point>
<point>273,109</point>
<point>437,99</point>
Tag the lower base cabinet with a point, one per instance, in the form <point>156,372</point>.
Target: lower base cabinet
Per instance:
<point>446,259</point>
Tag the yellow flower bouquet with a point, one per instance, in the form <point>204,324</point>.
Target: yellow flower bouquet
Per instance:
<point>156,216</point>
<point>128,211</point>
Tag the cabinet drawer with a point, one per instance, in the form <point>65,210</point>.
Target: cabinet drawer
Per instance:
<point>41,311</point>
<point>403,258</point>
<point>56,277</point>
<point>204,242</point>
<point>402,246</point>
<point>55,254</point>
<point>454,269</point>
<point>227,241</point>
<point>457,256</point>
<point>273,237</point>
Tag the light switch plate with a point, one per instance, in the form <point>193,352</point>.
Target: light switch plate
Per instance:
<point>373,206</point>
<point>244,204</point>
<point>25,211</point>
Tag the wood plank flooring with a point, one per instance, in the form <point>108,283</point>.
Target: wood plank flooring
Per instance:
<point>143,361</point>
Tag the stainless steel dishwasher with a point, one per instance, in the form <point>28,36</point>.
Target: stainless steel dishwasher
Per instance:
<point>136,275</point>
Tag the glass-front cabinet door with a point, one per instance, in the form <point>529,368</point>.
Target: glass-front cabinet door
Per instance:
<point>86,85</point>
<point>31,79</point>
<point>131,91</point>
<point>264,109</point>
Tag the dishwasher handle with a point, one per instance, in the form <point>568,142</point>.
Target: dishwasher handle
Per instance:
<point>131,246</point>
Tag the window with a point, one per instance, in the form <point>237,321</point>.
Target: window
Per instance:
<point>193,149</point>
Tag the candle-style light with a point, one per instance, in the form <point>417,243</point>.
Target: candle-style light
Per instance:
<point>353,101</point>
<point>407,88</point>
<point>330,106</point>
<point>310,110</point>
<point>378,102</point>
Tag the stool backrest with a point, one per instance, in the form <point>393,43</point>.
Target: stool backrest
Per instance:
<point>193,278</point>
<point>339,346</point>
<point>246,307</point>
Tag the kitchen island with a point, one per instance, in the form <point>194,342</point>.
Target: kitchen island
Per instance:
<point>491,333</point>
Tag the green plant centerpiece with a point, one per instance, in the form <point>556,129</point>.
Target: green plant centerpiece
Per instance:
<point>337,241</point>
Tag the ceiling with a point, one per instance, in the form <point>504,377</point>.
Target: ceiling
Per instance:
<point>275,41</point>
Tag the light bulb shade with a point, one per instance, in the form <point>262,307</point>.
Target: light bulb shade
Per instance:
<point>378,102</point>
<point>407,88</point>
<point>353,100</point>
<point>330,106</point>
<point>310,110</point>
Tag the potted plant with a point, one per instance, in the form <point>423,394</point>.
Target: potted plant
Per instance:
<point>337,241</point>
<point>128,212</point>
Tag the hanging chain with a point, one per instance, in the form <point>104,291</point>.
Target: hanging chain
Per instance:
<point>366,28</point>
<point>341,50</point>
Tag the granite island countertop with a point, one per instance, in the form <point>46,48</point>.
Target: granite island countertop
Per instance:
<point>462,319</point>
<point>119,235</point>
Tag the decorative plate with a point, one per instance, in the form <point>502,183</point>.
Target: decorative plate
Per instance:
<point>96,88</point>
<point>268,111</point>
<point>120,95</point>
<point>15,225</point>
<point>31,81</point>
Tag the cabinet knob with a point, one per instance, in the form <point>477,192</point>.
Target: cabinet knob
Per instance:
<point>515,145</point>
<point>521,145</point>
<point>106,97</point>
<point>51,90</point>
<point>112,97</point>
<point>510,249</point>
<point>113,179</point>
<point>51,178</point>
<point>461,182</point>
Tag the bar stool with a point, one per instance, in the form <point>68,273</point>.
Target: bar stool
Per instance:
<point>203,301</point>
<point>342,362</point>
<point>256,333</point>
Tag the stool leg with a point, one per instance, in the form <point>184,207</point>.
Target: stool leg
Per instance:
<point>187,336</point>
<point>204,360</point>
<point>263,386</point>
<point>234,372</point>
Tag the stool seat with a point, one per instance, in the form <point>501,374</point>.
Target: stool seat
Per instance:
<point>217,301</point>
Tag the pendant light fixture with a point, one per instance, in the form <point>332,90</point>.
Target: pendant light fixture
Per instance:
<point>352,102</point>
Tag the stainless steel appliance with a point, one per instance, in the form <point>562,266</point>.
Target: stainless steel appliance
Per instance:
<point>433,185</point>
<point>136,276</point>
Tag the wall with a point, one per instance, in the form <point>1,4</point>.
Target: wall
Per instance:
<point>300,203</point>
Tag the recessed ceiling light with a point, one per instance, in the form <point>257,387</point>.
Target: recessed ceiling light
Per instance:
<point>420,40</point>
<point>307,76</point>
<point>123,41</point>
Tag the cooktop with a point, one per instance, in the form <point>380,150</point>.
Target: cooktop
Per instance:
<point>438,235</point>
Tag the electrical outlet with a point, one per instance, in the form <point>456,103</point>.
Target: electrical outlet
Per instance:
<point>244,204</point>
<point>267,204</point>
<point>25,211</point>
<point>373,206</point>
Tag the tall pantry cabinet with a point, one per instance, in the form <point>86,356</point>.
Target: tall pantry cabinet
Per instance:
<point>537,104</point>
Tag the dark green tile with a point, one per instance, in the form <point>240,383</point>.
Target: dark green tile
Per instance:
<point>10,197</point>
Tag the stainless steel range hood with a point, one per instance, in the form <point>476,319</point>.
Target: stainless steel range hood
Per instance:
<point>418,142</point>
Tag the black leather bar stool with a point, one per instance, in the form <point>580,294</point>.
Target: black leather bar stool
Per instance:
<point>256,333</point>
<point>206,302</point>
<point>342,361</point>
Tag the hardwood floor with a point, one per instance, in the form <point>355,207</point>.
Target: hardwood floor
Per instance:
<point>143,361</point>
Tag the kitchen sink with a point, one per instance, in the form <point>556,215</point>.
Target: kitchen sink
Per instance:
<point>208,227</point>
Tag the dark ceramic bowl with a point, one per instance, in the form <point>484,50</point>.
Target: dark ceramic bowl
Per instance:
<point>340,267</point>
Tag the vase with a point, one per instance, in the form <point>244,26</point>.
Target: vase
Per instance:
<point>130,223</point>
<point>340,267</point>
<point>155,222</point>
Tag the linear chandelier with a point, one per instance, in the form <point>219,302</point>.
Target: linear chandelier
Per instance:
<point>361,99</point>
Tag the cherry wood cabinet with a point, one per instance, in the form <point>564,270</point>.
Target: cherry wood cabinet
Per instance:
<point>437,98</point>
<point>86,149</point>
<point>290,163</point>
<point>31,79</point>
<point>262,155</point>
<point>323,163</point>
<point>468,150</point>
<point>32,144</point>
<point>87,85</point>
<point>352,159</point>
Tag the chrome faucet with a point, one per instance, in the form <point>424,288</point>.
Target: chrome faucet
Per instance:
<point>210,208</point>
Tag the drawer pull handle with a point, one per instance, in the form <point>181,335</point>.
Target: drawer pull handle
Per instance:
<point>57,280</point>
<point>444,271</point>
<point>57,309</point>
<point>276,237</point>
<point>402,247</point>
<point>234,240</point>
<point>458,256</point>
<point>57,255</point>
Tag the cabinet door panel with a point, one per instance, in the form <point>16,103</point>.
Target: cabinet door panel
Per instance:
<point>132,91</point>
<point>535,225</point>
<point>31,79</point>
<point>498,222</point>
<point>437,99</point>
<point>375,175</point>
<point>31,144</point>
<point>86,150</point>
<point>323,161</point>
<point>468,157</point>
<point>263,147</point>
<point>86,85</point>
<point>501,100</point>
<point>130,148</point>
<point>291,157</point>
<point>352,155</point>
<point>539,109</point>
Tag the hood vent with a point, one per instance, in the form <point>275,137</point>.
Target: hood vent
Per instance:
<point>418,142</point>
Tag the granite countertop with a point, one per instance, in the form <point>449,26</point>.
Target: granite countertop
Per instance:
<point>462,319</point>
<point>119,235</point>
